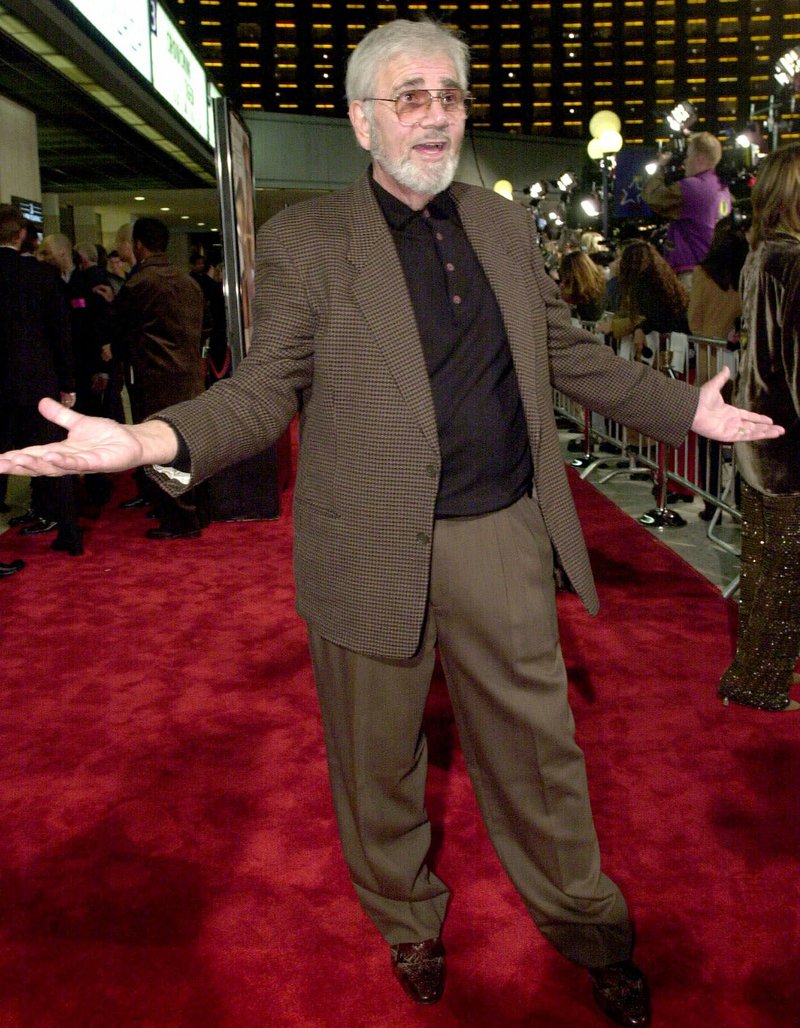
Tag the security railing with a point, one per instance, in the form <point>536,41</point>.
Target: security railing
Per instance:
<point>699,467</point>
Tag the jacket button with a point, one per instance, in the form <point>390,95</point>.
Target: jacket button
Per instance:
<point>430,470</point>
<point>423,537</point>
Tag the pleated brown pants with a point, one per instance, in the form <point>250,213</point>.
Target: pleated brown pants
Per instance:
<point>492,615</point>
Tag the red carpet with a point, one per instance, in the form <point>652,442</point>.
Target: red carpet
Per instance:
<point>168,854</point>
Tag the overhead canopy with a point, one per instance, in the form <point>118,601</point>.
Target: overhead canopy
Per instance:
<point>101,125</point>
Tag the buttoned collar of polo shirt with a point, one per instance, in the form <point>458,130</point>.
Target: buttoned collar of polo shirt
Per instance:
<point>412,162</point>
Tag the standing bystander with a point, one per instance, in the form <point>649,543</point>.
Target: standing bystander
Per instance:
<point>35,360</point>
<point>159,319</point>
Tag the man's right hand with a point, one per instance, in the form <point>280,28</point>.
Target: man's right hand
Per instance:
<point>92,444</point>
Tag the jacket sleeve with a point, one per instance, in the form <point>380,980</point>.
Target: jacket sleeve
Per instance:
<point>243,415</point>
<point>664,200</point>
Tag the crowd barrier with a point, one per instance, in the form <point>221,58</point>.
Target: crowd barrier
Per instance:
<point>699,467</point>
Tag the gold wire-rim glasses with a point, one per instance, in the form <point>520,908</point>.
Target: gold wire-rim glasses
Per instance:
<point>413,104</point>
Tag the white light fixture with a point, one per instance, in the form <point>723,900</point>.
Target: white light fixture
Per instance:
<point>651,167</point>
<point>138,198</point>
<point>590,207</point>
<point>537,190</point>
<point>681,118</point>
<point>164,208</point>
<point>787,68</point>
<point>566,182</point>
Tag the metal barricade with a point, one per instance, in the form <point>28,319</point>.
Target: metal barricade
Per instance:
<point>701,467</point>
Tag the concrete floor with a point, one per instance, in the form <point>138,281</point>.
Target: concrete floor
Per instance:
<point>690,540</point>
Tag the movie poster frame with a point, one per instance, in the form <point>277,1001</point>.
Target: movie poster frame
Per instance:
<point>236,185</point>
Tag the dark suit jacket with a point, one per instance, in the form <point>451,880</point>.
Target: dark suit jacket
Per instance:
<point>35,347</point>
<point>334,320</point>
<point>90,318</point>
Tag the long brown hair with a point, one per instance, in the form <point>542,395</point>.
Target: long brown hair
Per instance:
<point>646,282</point>
<point>776,195</point>
<point>582,281</point>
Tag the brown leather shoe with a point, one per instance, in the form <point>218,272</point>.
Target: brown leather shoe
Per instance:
<point>419,967</point>
<point>622,993</point>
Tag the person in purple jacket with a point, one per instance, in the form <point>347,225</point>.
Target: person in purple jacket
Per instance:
<point>694,204</point>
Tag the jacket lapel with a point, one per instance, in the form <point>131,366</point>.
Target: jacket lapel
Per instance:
<point>381,293</point>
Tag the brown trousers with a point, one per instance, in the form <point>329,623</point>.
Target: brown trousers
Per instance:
<point>492,615</point>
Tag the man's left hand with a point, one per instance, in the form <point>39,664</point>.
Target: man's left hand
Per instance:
<point>716,419</point>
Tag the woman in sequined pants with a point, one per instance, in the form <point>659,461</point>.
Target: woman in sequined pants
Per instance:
<point>768,638</point>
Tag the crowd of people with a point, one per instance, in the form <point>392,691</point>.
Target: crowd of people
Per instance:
<point>87,327</point>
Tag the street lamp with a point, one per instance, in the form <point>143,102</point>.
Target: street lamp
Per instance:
<point>605,142</point>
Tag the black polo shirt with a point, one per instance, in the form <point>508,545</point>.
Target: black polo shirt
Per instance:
<point>483,439</point>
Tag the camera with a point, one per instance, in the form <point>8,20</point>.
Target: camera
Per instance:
<point>674,168</point>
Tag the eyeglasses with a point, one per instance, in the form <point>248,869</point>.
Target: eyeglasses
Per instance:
<point>412,104</point>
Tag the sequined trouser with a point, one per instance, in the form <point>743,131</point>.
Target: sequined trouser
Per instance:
<point>768,637</point>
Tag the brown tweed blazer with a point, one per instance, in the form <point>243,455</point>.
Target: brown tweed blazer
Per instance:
<point>334,321</point>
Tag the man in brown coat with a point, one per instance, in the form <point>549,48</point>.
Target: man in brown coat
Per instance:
<point>159,320</point>
<point>416,319</point>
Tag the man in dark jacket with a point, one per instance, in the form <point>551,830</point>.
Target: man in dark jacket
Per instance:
<point>35,361</point>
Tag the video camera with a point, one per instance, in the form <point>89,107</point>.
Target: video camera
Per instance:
<point>674,168</point>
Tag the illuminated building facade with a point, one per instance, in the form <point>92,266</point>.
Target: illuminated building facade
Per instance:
<point>538,68</point>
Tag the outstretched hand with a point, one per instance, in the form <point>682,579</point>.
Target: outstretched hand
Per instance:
<point>716,419</point>
<point>92,444</point>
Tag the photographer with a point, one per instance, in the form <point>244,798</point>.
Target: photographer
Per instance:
<point>694,204</point>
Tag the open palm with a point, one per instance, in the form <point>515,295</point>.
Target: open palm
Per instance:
<point>719,420</point>
<point>92,444</point>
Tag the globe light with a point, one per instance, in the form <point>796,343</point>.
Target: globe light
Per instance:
<point>504,188</point>
<point>595,149</point>
<point>611,141</point>
<point>604,121</point>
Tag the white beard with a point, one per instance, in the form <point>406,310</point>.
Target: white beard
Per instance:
<point>427,180</point>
